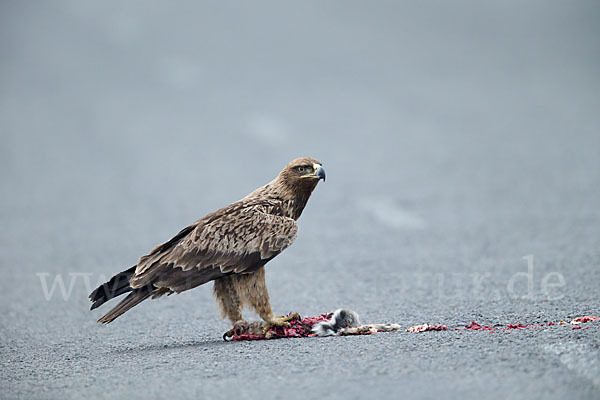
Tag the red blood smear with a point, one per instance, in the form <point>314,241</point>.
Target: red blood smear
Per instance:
<point>576,327</point>
<point>517,326</point>
<point>474,326</point>
<point>587,318</point>
<point>439,327</point>
<point>247,336</point>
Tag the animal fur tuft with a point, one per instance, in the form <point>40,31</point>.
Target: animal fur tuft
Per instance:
<point>342,318</point>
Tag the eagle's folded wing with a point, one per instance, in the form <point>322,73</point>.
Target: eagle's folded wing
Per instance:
<point>233,240</point>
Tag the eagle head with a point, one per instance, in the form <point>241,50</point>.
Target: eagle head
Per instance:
<point>300,177</point>
<point>304,171</point>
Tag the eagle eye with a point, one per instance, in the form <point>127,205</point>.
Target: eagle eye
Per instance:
<point>301,169</point>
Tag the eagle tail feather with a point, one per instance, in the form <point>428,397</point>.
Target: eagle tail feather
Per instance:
<point>116,286</point>
<point>133,299</point>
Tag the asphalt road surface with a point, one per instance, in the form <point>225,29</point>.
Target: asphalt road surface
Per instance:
<point>458,138</point>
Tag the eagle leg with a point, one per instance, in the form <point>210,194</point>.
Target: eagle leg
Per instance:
<point>228,299</point>
<point>252,289</point>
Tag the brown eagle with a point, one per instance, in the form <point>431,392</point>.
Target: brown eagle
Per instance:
<point>229,246</point>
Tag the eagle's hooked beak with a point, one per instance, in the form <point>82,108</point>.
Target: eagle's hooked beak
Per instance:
<point>319,172</point>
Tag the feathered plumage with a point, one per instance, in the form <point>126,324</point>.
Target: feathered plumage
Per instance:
<point>229,246</point>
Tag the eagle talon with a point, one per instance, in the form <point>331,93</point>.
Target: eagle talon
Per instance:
<point>292,317</point>
<point>274,323</point>
<point>280,321</point>
<point>228,334</point>
<point>239,328</point>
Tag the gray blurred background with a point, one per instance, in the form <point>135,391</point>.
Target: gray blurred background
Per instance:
<point>457,136</point>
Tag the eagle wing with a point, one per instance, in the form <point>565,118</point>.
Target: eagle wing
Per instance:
<point>237,239</point>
